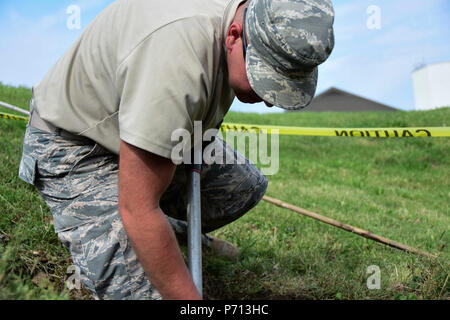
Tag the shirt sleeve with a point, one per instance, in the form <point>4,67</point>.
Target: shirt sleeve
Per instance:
<point>164,85</point>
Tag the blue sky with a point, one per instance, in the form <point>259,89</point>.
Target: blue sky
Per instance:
<point>371,62</point>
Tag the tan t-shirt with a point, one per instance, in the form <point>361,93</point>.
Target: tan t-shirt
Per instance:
<point>141,70</point>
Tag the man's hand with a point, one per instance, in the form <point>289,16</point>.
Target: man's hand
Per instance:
<point>143,178</point>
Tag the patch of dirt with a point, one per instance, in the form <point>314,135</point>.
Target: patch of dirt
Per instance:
<point>216,289</point>
<point>41,279</point>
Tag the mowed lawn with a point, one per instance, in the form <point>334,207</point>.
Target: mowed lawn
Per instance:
<point>395,188</point>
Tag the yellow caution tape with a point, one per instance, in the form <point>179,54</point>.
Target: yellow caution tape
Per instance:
<point>341,132</point>
<point>12,117</point>
<point>323,132</point>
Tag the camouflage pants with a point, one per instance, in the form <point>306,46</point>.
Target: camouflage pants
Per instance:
<point>78,179</point>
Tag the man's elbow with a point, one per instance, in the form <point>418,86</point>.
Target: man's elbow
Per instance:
<point>127,212</point>
<point>132,209</point>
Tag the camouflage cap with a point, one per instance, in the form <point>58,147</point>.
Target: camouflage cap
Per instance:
<point>288,39</point>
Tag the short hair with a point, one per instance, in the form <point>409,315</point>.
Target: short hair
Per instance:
<point>240,16</point>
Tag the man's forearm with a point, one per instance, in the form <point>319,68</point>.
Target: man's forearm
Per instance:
<point>143,178</point>
<point>157,249</point>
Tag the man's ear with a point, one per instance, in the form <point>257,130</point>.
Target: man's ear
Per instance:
<point>233,35</point>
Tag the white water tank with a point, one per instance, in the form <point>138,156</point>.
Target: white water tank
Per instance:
<point>432,86</point>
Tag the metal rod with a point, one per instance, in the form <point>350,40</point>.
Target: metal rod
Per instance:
<point>9,106</point>
<point>195,227</point>
<point>346,227</point>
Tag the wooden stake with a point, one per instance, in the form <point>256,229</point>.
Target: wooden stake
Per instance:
<point>346,227</point>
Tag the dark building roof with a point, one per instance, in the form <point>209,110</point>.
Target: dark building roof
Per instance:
<point>335,99</point>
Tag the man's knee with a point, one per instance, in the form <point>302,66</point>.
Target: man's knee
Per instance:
<point>225,201</point>
<point>251,190</point>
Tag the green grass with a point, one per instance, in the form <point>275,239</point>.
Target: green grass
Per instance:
<point>396,188</point>
<point>18,97</point>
